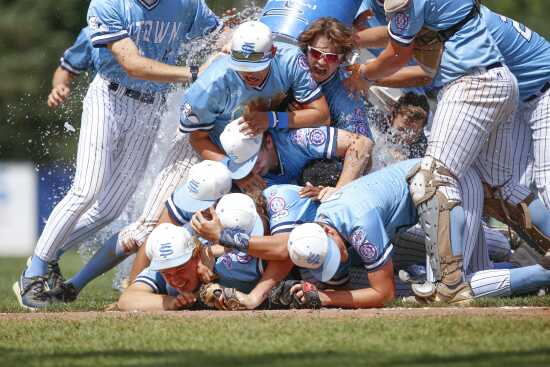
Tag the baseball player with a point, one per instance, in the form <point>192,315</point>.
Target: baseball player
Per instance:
<point>515,42</point>
<point>452,44</point>
<point>80,57</point>
<point>179,263</point>
<point>280,156</point>
<point>250,83</point>
<point>367,225</point>
<point>139,44</point>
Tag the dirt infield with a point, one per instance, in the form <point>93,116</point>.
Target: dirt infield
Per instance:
<point>325,313</point>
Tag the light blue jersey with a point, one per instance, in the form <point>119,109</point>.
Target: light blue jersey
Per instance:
<point>526,53</point>
<point>158,28</point>
<point>297,147</point>
<point>234,270</point>
<point>219,94</point>
<point>81,56</point>
<point>346,112</point>
<point>369,211</point>
<point>470,48</point>
<point>286,210</point>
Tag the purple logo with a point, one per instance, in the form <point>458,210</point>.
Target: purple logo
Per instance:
<point>298,137</point>
<point>317,137</point>
<point>277,204</point>
<point>226,261</point>
<point>357,237</point>
<point>367,251</point>
<point>244,258</point>
<point>303,62</point>
<point>401,20</point>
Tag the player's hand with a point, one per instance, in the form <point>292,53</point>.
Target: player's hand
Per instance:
<point>356,84</point>
<point>254,123</point>
<point>310,191</point>
<point>360,23</point>
<point>243,300</point>
<point>325,193</point>
<point>251,183</point>
<point>57,95</point>
<point>298,291</point>
<point>207,224</point>
<point>183,300</point>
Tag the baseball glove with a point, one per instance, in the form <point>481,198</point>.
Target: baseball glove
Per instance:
<point>210,294</point>
<point>280,295</point>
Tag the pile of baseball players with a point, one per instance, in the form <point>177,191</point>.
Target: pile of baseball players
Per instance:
<point>268,196</point>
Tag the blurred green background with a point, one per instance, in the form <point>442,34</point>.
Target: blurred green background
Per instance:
<point>34,34</point>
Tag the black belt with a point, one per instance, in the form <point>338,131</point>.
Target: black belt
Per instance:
<point>134,94</point>
<point>494,66</point>
<point>543,90</point>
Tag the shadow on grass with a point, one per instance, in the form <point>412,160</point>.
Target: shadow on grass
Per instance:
<point>12,357</point>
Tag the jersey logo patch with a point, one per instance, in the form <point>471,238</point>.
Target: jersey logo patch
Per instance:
<point>302,62</point>
<point>277,207</point>
<point>401,20</point>
<point>243,258</point>
<point>298,137</point>
<point>367,251</point>
<point>317,137</point>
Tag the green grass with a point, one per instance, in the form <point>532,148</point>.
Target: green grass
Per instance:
<point>145,340</point>
<point>264,340</point>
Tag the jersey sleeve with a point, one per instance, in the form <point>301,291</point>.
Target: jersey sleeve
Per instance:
<point>153,279</point>
<point>78,57</point>
<point>317,142</point>
<point>405,24</point>
<point>205,21</point>
<point>370,241</point>
<point>106,21</point>
<point>304,88</point>
<point>202,104</point>
<point>279,202</point>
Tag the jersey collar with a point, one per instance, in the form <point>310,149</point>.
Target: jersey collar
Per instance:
<point>149,5</point>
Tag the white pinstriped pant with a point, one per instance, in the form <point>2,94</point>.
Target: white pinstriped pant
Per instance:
<point>116,137</point>
<point>532,148</point>
<point>472,125</point>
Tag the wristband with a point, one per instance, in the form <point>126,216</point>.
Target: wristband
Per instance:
<point>273,119</point>
<point>283,120</point>
<point>234,239</point>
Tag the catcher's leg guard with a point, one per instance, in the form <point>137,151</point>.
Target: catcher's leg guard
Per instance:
<point>434,210</point>
<point>518,217</point>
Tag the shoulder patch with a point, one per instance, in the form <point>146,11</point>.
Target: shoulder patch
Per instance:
<point>277,207</point>
<point>401,20</point>
<point>317,137</point>
<point>302,62</point>
<point>365,249</point>
<point>298,137</point>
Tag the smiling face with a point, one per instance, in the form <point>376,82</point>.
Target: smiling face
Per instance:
<point>323,58</point>
<point>254,79</point>
<point>184,278</point>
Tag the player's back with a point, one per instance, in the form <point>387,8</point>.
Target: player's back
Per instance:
<point>385,191</point>
<point>526,53</point>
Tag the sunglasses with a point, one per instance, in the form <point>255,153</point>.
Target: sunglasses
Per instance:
<point>249,56</point>
<point>329,57</point>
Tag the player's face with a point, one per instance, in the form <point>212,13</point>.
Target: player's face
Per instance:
<point>184,278</point>
<point>407,130</point>
<point>254,79</point>
<point>323,58</point>
<point>267,158</point>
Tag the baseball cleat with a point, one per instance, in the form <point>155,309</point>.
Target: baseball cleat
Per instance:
<point>31,292</point>
<point>424,290</point>
<point>64,292</point>
<point>55,278</point>
<point>459,295</point>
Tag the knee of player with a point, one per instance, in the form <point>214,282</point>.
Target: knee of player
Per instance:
<point>82,196</point>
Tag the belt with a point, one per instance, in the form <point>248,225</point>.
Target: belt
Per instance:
<point>544,88</point>
<point>494,66</point>
<point>148,98</point>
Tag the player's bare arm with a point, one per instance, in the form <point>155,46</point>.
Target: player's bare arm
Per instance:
<point>127,54</point>
<point>201,142</point>
<point>381,292</point>
<point>140,297</point>
<point>356,150</point>
<point>61,87</point>
<point>313,114</point>
<point>376,37</point>
<point>409,76</point>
